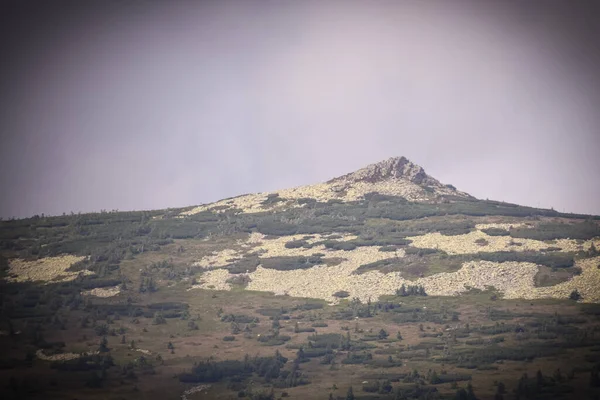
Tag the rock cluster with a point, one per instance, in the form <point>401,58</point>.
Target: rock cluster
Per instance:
<point>395,177</point>
<point>62,357</point>
<point>195,389</point>
<point>103,292</point>
<point>513,279</point>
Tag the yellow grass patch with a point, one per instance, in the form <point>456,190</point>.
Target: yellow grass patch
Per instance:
<point>49,269</point>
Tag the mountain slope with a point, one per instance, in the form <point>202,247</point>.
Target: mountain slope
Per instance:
<point>393,177</point>
<point>384,270</point>
<point>365,233</point>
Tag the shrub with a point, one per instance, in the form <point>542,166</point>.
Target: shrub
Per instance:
<point>411,290</point>
<point>388,248</point>
<point>341,294</point>
<point>335,245</point>
<point>246,264</point>
<point>295,244</point>
<point>239,318</point>
<point>291,263</point>
<point>584,230</point>
<point>552,260</point>
<point>276,228</point>
<point>228,338</point>
<point>420,251</point>
<point>496,232</point>
<point>241,279</point>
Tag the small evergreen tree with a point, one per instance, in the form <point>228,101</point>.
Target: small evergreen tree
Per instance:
<point>350,394</point>
<point>103,348</point>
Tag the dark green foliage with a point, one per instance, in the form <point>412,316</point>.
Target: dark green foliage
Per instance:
<point>273,339</point>
<point>342,245</point>
<point>496,232</point>
<point>388,248</point>
<point>358,358</point>
<point>240,280</point>
<point>492,353</point>
<point>270,368</point>
<point>448,378</point>
<point>326,340</point>
<point>541,387</point>
<point>295,244</point>
<point>272,198</point>
<point>101,329</point>
<point>552,260</point>
<point>270,226</point>
<point>411,290</point>
<point>575,295</point>
<point>342,294</point>
<point>377,265</point>
<point>350,394</point>
<point>239,318</point>
<point>421,251</point>
<point>246,264</point>
<point>103,348</point>
<point>550,231</point>
<point>291,263</point>
<point>298,329</point>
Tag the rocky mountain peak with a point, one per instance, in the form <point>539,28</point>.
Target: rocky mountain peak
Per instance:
<point>392,168</point>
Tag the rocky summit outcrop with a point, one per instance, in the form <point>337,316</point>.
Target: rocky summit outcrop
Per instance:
<point>392,168</point>
<point>395,176</point>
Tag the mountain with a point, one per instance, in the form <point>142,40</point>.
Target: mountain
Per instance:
<point>393,177</point>
<point>384,269</point>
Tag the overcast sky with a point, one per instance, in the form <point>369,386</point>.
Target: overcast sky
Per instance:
<point>169,104</point>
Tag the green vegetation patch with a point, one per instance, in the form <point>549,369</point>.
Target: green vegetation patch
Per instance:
<point>291,263</point>
<point>550,231</point>
<point>496,232</point>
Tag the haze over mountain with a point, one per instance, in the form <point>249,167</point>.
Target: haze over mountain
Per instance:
<point>144,106</point>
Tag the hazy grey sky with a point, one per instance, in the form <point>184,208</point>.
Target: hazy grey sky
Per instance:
<point>153,106</point>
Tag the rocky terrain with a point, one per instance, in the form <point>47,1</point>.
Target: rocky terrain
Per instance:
<point>383,281</point>
<point>394,177</point>
<point>512,279</point>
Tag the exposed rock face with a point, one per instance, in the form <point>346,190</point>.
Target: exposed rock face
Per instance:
<point>392,168</point>
<point>395,170</point>
<point>394,177</point>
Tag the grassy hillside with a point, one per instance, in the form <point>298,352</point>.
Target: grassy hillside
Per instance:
<point>394,299</point>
